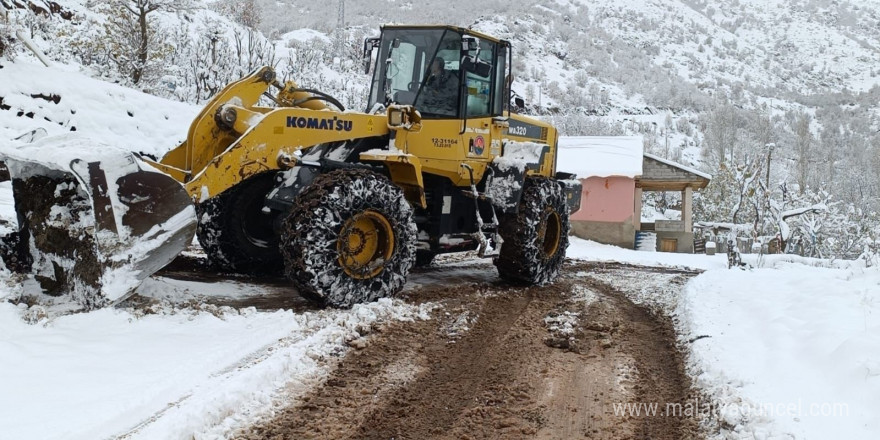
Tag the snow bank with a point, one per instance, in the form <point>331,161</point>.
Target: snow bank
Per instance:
<point>793,352</point>
<point>61,101</point>
<point>601,156</point>
<point>179,373</point>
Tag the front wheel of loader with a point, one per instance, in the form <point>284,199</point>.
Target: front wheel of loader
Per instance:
<point>350,238</point>
<point>535,238</point>
<point>235,232</point>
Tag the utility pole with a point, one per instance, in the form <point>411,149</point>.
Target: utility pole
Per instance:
<point>340,30</point>
<point>770,148</point>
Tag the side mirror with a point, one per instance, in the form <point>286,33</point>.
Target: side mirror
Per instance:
<point>482,69</point>
<point>476,66</point>
<point>369,45</point>
<point>469,44</point>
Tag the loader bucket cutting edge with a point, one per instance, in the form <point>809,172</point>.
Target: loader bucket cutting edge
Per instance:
<point>95,230</point>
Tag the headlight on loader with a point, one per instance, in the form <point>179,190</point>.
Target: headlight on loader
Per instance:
<point>404,117</point>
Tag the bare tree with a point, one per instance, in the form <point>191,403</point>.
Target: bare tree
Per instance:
<point>132,38</point>
<point>722,132</point>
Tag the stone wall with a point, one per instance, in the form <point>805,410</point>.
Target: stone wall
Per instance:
<point>621,234</point>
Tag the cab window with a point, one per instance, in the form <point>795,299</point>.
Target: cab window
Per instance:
<point>479,79</point>
<point>441,80</point>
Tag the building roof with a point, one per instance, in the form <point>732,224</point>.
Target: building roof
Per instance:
<point>679,166</point>
<point>601,156</point>
<point>661,174</point>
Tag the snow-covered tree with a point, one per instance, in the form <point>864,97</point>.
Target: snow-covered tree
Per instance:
<point>133,38</point>
<point>248,13</point>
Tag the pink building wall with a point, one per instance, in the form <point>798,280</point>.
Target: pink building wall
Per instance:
<point>607,199</point>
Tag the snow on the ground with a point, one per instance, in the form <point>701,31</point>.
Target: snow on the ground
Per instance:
<point>789,348</point>
<point>799,345</point>
<point>592,251</point>
<point>791,331</point>
<point>179,291</point>
<point>169,373</point>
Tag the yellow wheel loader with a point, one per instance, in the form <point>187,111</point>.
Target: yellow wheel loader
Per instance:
<point>345,203</point>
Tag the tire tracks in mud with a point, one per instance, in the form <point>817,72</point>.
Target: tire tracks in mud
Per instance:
<point>485,367</point>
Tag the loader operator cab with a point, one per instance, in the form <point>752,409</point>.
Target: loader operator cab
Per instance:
<point>468,83</point>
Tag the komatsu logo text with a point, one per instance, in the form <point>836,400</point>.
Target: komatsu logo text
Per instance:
<point>334,123</point>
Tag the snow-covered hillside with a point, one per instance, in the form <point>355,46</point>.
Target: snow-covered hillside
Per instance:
<point>768,46</point>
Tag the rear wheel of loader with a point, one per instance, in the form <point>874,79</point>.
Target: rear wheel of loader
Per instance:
<point>535,238</point>
<point>234,231</point>
<point>350,238</point>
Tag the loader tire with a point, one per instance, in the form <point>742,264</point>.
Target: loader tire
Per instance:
<point>234,231</point>
<point>350,238</point>
<point>536,236</point>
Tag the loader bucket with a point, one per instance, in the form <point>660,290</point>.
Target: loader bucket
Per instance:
<point>94,221</point>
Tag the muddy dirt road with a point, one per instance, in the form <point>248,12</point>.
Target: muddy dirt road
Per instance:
<point>499,361</point>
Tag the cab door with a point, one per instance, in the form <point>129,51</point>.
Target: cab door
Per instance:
<point>472,132</point>
<point>477,136</point>
<point>483,103</point>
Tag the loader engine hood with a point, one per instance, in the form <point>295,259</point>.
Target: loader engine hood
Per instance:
<point>94,220</point>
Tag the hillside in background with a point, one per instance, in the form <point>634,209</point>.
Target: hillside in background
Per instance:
<point>784,90</point>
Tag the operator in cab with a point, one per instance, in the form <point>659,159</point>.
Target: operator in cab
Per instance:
<point>440,89</point>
